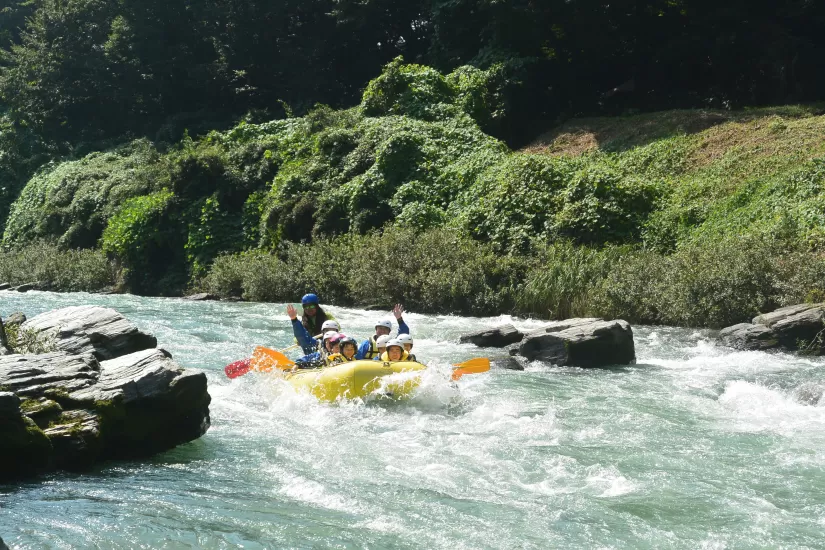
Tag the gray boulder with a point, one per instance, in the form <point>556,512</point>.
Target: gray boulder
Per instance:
<point>747,336</point>
<point>16,318</point>
<point>3,341</point>
<point>160,404</point>
<point>506,363</point>
<point>799,327</point>
<point>89,329</point>
<point>794,328</point>
<point>70,411</point>
<point>200,297</point>
<point>497,337</point>
<point>582,343</point>
<point>25,287</point>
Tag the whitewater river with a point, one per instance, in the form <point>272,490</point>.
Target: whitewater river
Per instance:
<point>696,446</point>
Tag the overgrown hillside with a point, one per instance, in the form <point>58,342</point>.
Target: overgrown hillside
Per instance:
<point>681,217</point>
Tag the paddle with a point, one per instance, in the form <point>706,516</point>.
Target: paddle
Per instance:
<point>473,366</point>
<point>243,366</point>
<point>265,359</point>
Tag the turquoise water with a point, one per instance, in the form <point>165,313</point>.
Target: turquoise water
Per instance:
<point>697,446</point>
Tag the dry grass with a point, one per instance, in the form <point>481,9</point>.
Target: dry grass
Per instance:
<point>768,131</point>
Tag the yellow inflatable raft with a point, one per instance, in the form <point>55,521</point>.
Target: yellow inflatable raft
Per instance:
<point>359,379</point>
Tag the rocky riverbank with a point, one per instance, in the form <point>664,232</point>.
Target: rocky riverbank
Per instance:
<point>82,384</point>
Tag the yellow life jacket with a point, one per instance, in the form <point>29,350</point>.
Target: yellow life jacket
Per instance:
<point>336,358</point>
<point>404,356</point>
<point>373,351</point>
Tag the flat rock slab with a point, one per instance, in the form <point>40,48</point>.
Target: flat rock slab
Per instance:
<point>585,344</point>
<point>794,328</point>
<point>33,375</point>
<point>141,375</point>
<point>497,337</point>
<point>90,329</point>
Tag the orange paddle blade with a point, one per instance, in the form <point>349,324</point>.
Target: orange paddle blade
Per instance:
<point>265,359</point>
<point>473,366</point>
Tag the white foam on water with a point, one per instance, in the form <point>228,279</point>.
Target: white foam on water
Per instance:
<point>754,407</point>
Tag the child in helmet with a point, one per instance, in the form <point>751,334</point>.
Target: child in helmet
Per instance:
<point>395,351</point>
<point>319,358</point>
<point>407,341</point>
<point>348,348</point>
<point>369,348</point>
<point>381,344</point>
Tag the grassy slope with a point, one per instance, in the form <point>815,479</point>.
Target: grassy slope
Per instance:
<point>725,172</point>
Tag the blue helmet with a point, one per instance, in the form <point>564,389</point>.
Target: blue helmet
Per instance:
<point>309,299</point>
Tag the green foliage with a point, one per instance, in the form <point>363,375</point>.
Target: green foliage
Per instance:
<point>531,196</point>
<point>438,270</point>
<point>408,89</point>
<point>63,270</point>
<point>142,232</point>
<point>72,202</point>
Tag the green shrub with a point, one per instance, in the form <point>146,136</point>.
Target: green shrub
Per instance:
<point>407,89</point>
<point>438,270</point>
<point>72,202</point>
<point>565,281</point>
<point>61,270</point>
<point>146,240</point>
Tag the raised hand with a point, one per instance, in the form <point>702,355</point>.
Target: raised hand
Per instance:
<point>398,311</point>
<point>292,312</point>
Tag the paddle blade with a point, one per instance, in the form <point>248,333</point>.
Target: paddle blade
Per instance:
<point>238,368</point>
<point>473,366</point>
<point>265,359</point>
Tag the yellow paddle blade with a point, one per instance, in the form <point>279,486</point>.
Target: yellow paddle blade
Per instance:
<point>265,359</point>
<point>473,366</point>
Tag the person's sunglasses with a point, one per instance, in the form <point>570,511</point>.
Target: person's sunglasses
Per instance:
<point>310,306</point>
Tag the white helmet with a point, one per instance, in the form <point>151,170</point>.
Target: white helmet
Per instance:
<point>404,339</point>
<point>330,325</point>
<point>394,342</point>
<point>382,340</point>
<point>330,334</point>
<point>386,324</point>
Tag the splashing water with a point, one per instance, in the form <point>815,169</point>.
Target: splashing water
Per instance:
<point>696,446</point>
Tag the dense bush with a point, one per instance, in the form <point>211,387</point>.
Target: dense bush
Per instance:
<point>72,202</point>
<point>58,269</point>
<point>439,270</point>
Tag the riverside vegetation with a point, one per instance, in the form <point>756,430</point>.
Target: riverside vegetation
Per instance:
<point>700,217</point>
<point>638,217</point>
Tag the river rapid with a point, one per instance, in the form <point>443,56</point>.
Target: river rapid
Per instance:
<point>696,446</point>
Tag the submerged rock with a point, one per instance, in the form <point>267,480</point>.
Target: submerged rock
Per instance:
<point>70,411</point>
<point>200,297</point>
<point>497,337</point>
<point>582,343</point>
<point>794,328</point>
<point>82,329</point>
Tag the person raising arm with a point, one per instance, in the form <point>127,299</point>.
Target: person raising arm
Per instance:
<point>369,348</point>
